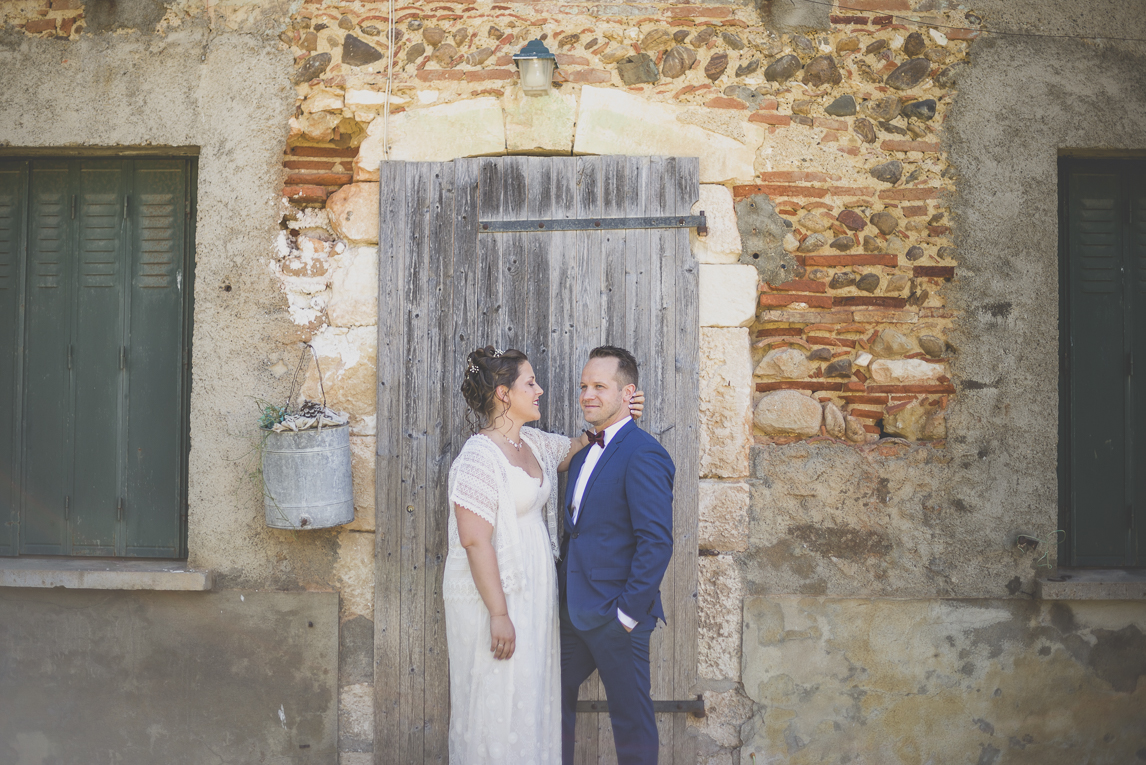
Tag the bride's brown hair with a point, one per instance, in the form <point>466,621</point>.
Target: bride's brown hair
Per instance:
<point>487,369</point>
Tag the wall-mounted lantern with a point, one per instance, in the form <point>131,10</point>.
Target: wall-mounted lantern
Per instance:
<point>536,64</point>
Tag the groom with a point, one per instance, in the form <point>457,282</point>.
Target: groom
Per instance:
<point>616,547</point>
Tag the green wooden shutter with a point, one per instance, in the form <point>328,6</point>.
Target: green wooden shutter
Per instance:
<point>13,193</point>
<point>98,341</point>
<point>47,424</point>
<point>1106,304</point>
<point>155,377</point>
<point>1137,292</point>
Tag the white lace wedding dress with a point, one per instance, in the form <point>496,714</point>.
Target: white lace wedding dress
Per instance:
<point>506,711</point>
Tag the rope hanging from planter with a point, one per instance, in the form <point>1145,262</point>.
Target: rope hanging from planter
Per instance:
<point>309,414</point>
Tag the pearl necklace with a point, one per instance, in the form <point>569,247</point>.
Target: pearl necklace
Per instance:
<point>515,444</point>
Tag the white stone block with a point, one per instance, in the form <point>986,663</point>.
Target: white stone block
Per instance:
<point>471,128</point>
<point>611,121</point>
<point>720,600</point>
<point>728,295</point>
<point>353,211</point>
<point>323,100</point>
<point>724,515</point>
<point>722,244</point>
<point>356,712</point>
<point>348,357</point>
<point>787,363</point>
<point>788,413</point>
<point>906,371</point>
<point>725,402</point>
<point>372,99</point>
<point>539,125</point>
<point>354,289</point>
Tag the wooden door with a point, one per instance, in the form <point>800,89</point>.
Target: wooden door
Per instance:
<point>446,286</point>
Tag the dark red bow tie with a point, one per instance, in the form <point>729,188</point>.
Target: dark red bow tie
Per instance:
<point>596,438</point>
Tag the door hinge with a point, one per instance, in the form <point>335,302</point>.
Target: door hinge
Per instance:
<point>67,507</point>
<point>73,206</point>
<point>123,357</point>
<point>119,511</point>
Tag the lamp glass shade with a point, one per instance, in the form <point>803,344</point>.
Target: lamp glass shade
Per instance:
<point>536,75</point>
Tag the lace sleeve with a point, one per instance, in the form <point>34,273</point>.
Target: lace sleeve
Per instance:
<point>473,484</point>
<point>553,446</point>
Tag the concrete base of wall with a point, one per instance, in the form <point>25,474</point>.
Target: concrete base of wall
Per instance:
<point>150,677</point>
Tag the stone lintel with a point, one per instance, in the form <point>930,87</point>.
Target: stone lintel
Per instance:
<point>102,574</point>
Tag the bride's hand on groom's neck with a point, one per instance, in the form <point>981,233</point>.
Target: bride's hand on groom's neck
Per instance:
<point>637,405</point>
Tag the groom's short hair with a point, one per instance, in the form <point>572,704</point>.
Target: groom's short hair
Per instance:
<point>626,365</point>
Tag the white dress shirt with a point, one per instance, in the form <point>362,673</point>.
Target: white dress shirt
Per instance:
<point>587,468</point>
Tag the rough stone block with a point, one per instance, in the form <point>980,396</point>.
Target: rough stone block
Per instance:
<point>722,243</point>
<point>353,212</point>
<point>323,100</point>
<point>788,363</point>
<point>720,595</point>
<point>724,515</point>
<point>906,371</point>
<point>539,125</point>
<point>348,357</point>
<point>728,295</point>
<point>355,714</point>
<point>354,289</point>
<point>362,449</point>
<point>788,413</point>
<point>354,571</point>
<point>725,712</point>
<point>610,121</point>
<point>471,128</point>
<point>725,402</point>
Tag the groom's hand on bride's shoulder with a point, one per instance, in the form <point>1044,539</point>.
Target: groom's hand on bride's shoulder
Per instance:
<point>637,405</point>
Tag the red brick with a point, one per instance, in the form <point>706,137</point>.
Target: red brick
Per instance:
<point>938,272</point>
<point>851,191</point>
<point>873,301</point>
<point>36,26</point>
<point>774,189</point>
<point>962,34</point>
<point>848,19</point>
<point>770,104</point>
<point>873,430</point>
<point>302,164</point>
<point>568,59</point>
<point>834,342</point>
<point>733,23</point>
<point>938,230</point>
<point>319,179</point>
<point>305,194</point>
<point>479,75</point>
<point>879,21</point>
<point>789,385</point>
<point>691,11</point>
<point>66,26</point>
<point>773,299</point>
<point>866,259</point>
<point>911,388</point>
<point>796,176</point>
<point>771,119</point>
<point>925,146</point>
<point>778,332</point>
<point>926,192</point>
<point>914,211</point>
<point>879,5</point>
<point>588,75</point>
<point>829,124</point>
<point>435,75</point>
<point>867,414</point>
<point>722,102</point>
<point>856,386</point>
<point>805,285</point>
<point>322,151</point>
<point>877,400</point>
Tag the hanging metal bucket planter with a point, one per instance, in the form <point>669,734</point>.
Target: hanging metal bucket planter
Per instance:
<point>306,465</point>
<point>306,477</point>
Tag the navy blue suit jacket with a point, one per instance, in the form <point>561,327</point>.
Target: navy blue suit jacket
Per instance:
<point>618,551</point>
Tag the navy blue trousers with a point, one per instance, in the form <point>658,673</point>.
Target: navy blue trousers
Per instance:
<point>622,661</point>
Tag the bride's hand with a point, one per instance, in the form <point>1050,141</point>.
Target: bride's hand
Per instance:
<point>637,405</point>
<point>503,639</point>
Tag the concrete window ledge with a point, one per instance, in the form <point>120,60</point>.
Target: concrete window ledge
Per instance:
<point>1093,584</point>
<point>102,574</point>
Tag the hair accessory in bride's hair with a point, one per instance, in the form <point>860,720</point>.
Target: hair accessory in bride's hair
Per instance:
<point>472,369</point>
<point>497,353</point>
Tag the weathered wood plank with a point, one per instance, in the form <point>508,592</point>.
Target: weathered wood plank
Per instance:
<point>415,413</point>
<point>615,202</point>
<point>686,496</point>
<point>514,273</point>
<point>485,330</point>
<point>387,492</point>
<point>538,250</point>
<point>466,306</point>
<point>439,364</point>
<point>585,263</point>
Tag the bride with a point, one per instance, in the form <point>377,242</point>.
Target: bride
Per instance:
<point>500,582</point>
